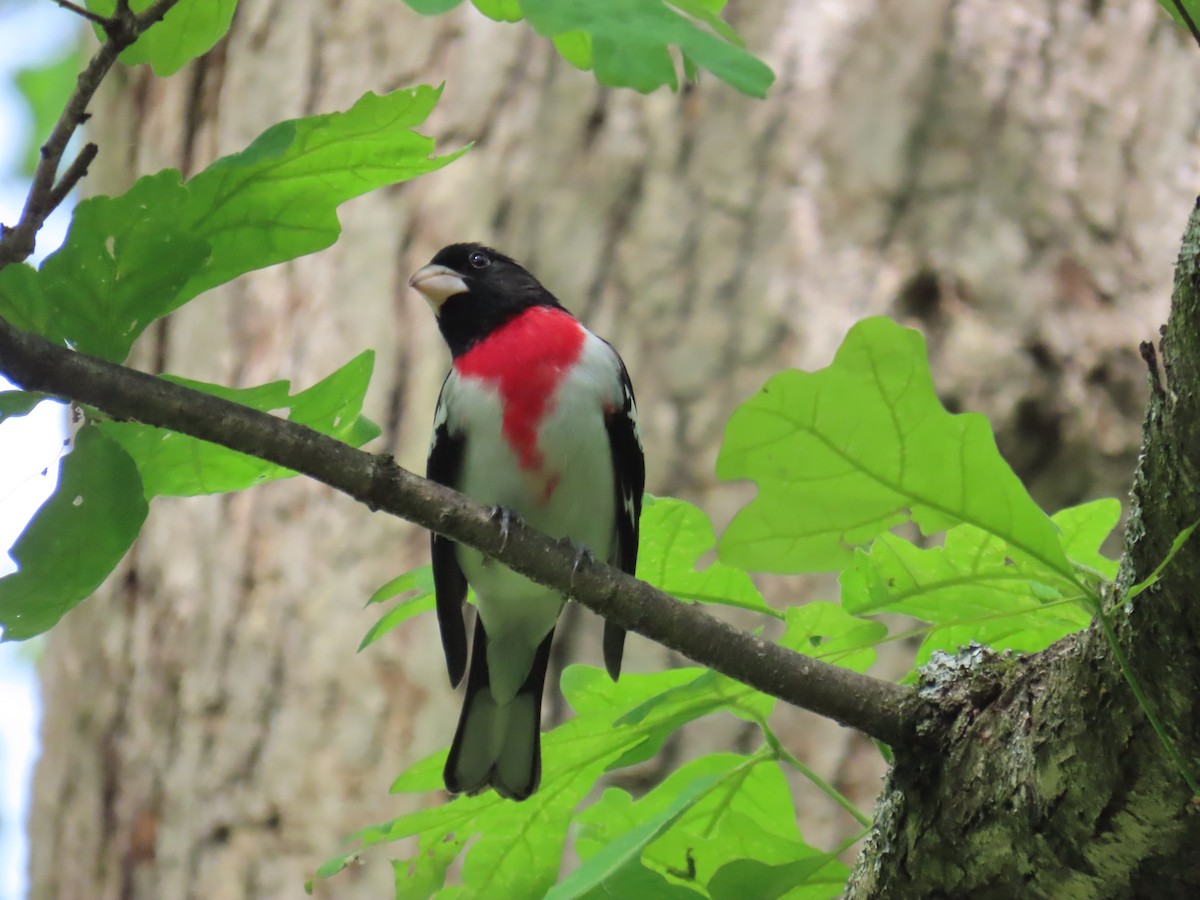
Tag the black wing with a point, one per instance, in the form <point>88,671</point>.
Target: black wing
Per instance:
<point>629,481</point>
<point>449,583</point>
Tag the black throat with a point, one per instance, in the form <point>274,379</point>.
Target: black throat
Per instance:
<point>466,319</point>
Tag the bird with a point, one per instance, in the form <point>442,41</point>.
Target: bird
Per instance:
<point>537,419</point>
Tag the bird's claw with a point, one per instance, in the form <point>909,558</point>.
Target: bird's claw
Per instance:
<point>582,555</point>
<point>506,518</point>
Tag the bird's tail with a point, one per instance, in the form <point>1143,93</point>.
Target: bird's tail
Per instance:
<point>498,744</point>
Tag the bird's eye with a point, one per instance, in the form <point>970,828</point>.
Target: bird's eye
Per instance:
<point>479,260</point>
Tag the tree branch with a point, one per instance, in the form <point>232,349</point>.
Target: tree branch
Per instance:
<point>121,30</point>
<point>878,708</point>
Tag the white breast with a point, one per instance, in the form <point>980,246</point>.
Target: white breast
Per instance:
<point>576,463</point>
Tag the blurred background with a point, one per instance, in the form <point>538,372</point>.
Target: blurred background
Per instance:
<point>1013,179</point>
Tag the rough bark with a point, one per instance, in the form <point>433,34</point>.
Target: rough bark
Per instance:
<point>996,175</point>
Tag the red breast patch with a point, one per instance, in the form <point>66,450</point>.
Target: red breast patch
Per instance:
<point>526,358</point>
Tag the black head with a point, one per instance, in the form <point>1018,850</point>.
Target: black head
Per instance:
<point>474,290</point>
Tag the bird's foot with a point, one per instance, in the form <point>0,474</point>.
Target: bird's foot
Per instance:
<point>506,517</point>
<point>582,555</point>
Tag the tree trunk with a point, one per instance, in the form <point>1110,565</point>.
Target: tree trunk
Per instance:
<point>995,175</point>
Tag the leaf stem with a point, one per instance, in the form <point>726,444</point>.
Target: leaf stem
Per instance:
<point>1144,701</point>
<point>784,755</point>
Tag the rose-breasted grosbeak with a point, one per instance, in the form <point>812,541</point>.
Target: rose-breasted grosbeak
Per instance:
<point>536,418</point>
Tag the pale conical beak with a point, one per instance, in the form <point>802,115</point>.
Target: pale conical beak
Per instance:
<point>438,284</point>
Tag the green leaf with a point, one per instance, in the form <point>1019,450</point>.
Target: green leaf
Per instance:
<point>123,256</point>
<point>847,453</point>
<point>46,89</point>
<point>970,575</point>
<point>419,583</point>
<point>188,30</point>
<point>817,875</point>
<point>173,464</point>
<point>575,47</point>
<point>14,404</point>
<point>635,880</point>
<point>674,535</point>
<point>419,878</point>
<point>331,867</point>
<point>594,879</point>
<point>708,11</point>
<point>76,539</point>
<point>820,873</point>
<point>278,198</point>
<point>361,431</point>
<point>574,755</point>
<point>828,632</point>
<point>709,692</point>
<point>630,41</point>
<point>432,7</point>
<point>131,259</point>
<point>1084,528</point>
<point>710,834</point>
<point>418,580</point>
<point>500,10</point>
<point>23,304</point>
<point>968,589</point>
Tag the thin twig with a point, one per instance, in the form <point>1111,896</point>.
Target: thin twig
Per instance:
<point>83,11</point>
<point>878,708</point>
<point>121,30</point>
<point>73,175</point>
